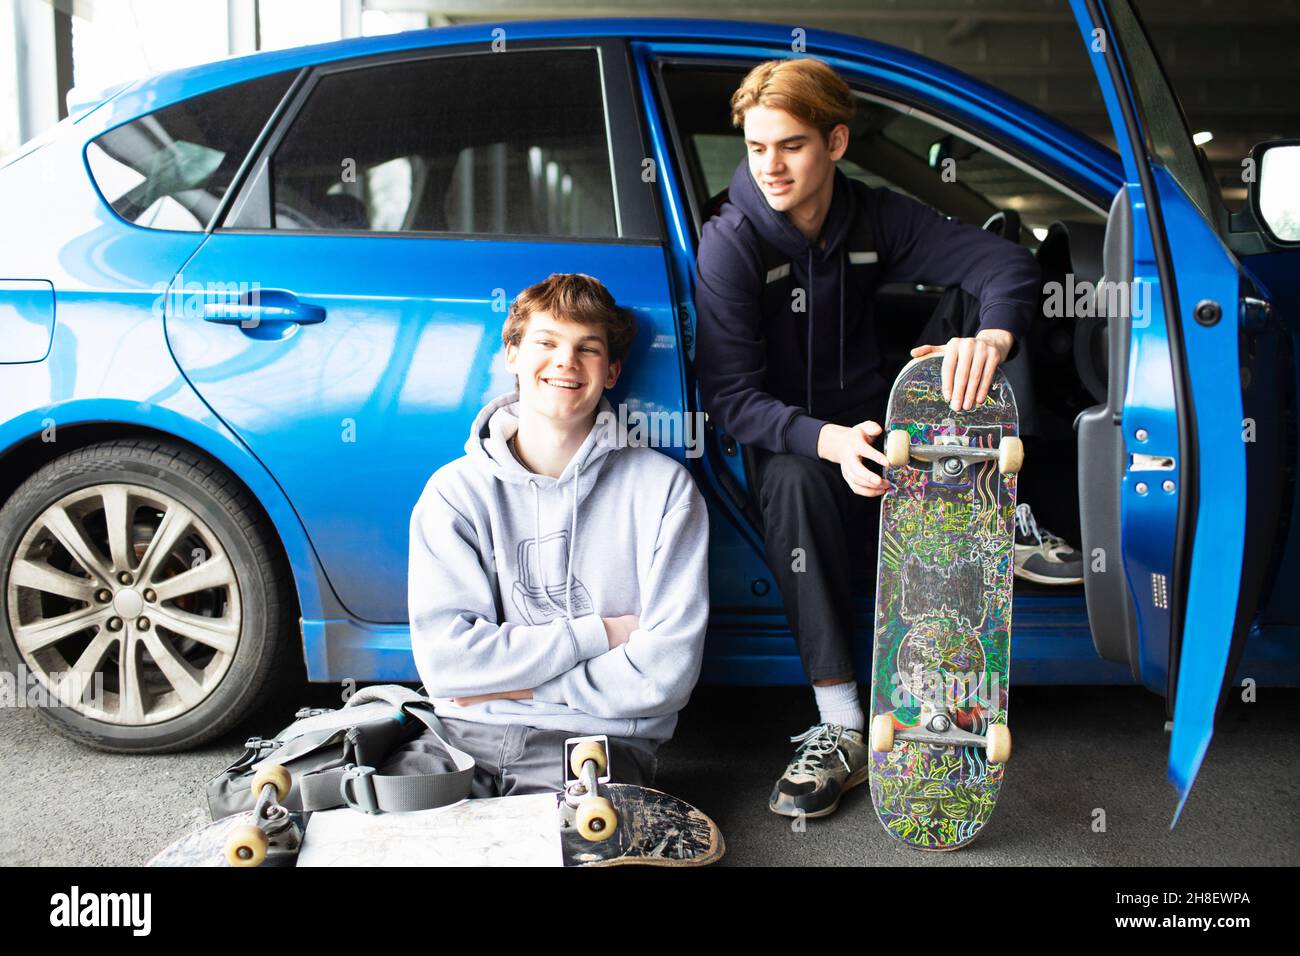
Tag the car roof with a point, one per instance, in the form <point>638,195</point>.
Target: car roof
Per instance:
<point>151,93</point>
<point>163,88</point>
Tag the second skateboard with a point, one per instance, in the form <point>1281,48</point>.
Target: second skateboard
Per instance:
<point>941,661</point>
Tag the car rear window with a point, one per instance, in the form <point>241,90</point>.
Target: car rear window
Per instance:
<point>171,168</point>
<point>486,144</point>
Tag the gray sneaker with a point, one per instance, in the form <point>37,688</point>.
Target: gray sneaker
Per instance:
<point>829,761</point>
<point>1041,556</point>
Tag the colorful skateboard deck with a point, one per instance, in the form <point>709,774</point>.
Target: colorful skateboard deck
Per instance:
<point>941,665</point>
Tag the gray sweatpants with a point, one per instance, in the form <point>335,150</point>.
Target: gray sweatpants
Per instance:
<point>514,759</point>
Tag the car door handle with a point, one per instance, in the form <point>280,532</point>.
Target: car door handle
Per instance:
<point>270,305</point>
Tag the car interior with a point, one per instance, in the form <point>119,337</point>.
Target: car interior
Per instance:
<point>901,149</point>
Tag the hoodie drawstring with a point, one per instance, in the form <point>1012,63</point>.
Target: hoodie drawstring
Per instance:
<point>573,542</point>
<point>810,328</point>
<point>843,266</point>
<point>537,544</point>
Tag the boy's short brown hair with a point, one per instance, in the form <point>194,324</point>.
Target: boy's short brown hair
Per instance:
<point>807,89</point>
<point>573,297</point>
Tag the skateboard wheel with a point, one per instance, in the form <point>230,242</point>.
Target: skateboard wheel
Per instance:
<point>882,733</point>
<point>898,448</point>
<point>588,750</point>
<point>1011,455</point>
<point>596,819</point>
<point>246,845</point>
<point>277,776</point>
<point>998,743</point>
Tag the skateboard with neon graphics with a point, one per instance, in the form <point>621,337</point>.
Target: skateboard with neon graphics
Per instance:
<point>941,659</point>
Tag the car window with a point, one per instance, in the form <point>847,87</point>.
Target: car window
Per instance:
<point>1169,141</point>
<point>507,144</point>
<point>171,168</point>
<point>904,151</point>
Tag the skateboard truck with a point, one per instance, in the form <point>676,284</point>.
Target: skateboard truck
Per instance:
<point>586,767</point>
<point>275,837</point>
<point>937,729</point>
<point>951,455</point>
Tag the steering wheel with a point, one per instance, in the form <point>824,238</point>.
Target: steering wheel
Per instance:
<point>1005,223</point>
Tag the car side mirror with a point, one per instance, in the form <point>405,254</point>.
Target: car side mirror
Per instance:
<point>1274,189</point>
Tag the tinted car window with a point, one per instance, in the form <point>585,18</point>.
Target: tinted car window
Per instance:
<point>510,143</point>
<point>170,169</point>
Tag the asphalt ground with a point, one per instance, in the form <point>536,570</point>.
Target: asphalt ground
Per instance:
<point>1083,757</point>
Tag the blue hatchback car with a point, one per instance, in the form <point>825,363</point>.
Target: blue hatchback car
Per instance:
<point>249,307</point>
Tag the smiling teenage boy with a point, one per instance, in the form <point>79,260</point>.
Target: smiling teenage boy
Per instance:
<point>558,577</point>
<point>796,374</point>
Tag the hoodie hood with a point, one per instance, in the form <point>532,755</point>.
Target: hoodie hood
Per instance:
<point>497,422</point>
<point>777,230</point>
<point>807,257</point>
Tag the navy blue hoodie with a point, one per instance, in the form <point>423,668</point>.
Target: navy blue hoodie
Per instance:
<point>757,378</point>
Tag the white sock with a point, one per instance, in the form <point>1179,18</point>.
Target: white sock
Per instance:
<point>838,704</point>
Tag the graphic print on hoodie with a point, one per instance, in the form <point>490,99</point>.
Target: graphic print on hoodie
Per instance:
<point>534,597</point>
<point>511,572</point>
<point>773,381</point>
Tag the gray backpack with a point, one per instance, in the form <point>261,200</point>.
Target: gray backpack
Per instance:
<point>331,756</point>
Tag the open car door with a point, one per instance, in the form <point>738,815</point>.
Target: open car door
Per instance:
<point>1190,349</point>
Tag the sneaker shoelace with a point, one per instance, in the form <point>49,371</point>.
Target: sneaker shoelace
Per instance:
<point>1028,526</point>
<point>815,745</point>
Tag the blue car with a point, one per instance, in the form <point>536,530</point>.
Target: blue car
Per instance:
<point>249,307</point>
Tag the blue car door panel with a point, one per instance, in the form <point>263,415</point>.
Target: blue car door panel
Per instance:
<point>1183,486</point>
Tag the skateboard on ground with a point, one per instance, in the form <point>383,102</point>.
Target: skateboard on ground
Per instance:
<point>940,671</point>
<point>267,835</point>
<point>592,822</point>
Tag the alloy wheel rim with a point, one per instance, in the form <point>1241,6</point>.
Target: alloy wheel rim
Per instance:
<point>124,605</point>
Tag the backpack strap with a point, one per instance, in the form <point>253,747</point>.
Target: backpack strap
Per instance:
<point>864,258</point>
<point>374,729</point>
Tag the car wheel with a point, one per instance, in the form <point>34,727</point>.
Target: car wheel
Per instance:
<point>147,607</point>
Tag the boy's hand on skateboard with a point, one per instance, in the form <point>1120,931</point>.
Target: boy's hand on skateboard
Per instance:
<point>969,364</point>
<point>500,695</point>
<point>619,629</point>
<point>847,447</point>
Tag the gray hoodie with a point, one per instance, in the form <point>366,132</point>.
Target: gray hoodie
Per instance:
<point>511,573</point>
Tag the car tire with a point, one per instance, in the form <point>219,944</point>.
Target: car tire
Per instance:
<point>185,621</point>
